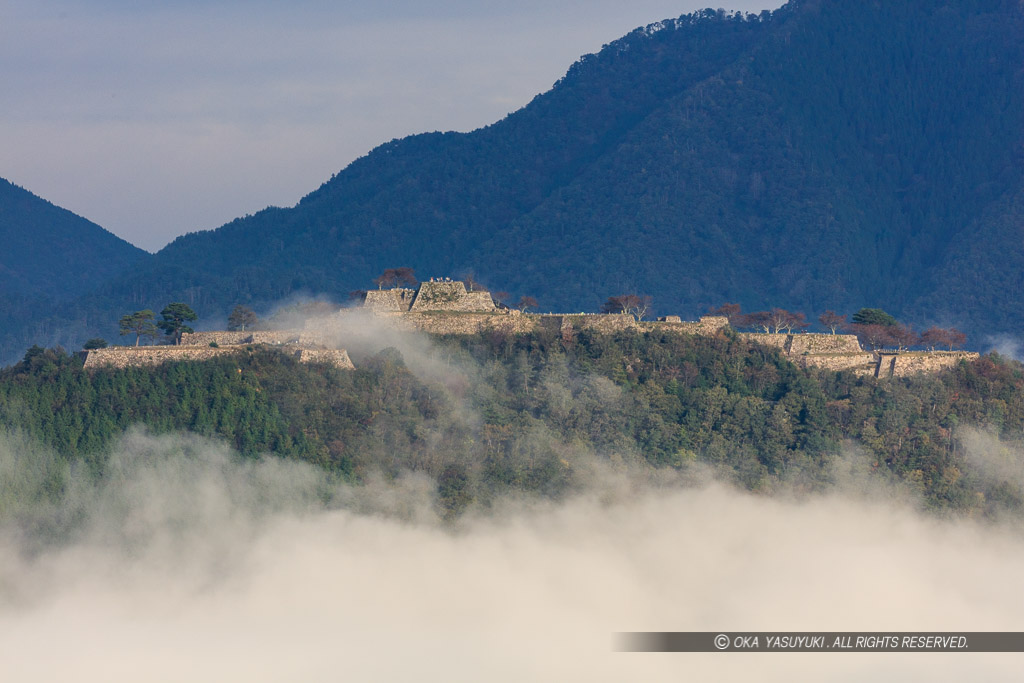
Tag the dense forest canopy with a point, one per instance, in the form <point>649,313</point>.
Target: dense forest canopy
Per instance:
<point>502,414</point>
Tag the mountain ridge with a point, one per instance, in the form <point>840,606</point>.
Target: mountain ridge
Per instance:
<point>821,156</point>
<point>49,251</point>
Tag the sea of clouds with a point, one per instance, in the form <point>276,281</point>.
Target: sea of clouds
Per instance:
<point>184,562</point>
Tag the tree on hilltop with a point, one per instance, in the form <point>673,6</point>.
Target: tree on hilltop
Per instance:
<point>525,303</point>
<point>783,320</point>
<point>937,336</point>
<point>174,318</point>
<point>241,318</point>
<point>873,336</point>
<point>873,316</point>
<point>903,336</point>
<point>633,304</point>
<point>758,320</point>
<point>955,338</point>
<point>730,311</point>
<point>832,320</point>
<point>392,277</point>
<point>139,323</point>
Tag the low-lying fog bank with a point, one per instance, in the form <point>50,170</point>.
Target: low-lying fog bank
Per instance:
<point>184,563</point>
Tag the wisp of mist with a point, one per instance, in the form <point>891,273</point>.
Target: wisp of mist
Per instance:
<point>188,563</point>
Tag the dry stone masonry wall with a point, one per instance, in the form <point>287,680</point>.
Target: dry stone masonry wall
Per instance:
<point>824,343</point>
<point>446,307</point>
<point>398,299</point>
<point>229,338</point>
<point>336,357</point>
<point>134,356</point>
<point>707,325</point>
<point>605,323</point>
<point>450,296</point>
<point>914,362</point>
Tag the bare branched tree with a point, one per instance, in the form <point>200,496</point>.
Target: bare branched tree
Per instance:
<point>635,305</point>
<point>832,320</point>
<point>392,277</point>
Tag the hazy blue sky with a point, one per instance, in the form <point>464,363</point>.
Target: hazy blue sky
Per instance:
<point>158,118</point>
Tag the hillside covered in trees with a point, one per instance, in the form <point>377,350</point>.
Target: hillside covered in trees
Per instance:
<point>827,155</point>
<point>49,256</point>
<point>493,414</point>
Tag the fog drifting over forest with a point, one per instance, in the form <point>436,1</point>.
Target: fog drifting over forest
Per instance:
<point>185,563</point>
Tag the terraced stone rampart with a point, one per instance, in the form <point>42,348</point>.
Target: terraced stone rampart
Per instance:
<point>141,356</point>
<point>824,343</point>
<point>468,323</point>
<point>605,323</point>
<point>450,296</point>
<point>778,341</point>
<point>227,337</point>
<point>134,356</point>
<point>336,357</point>
<point>863,363</point>
<point>397,299</point>
<point>914,362</point>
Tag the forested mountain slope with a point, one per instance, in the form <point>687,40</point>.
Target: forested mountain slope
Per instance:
<point>828,155</point>
<point>50,252</point>
<point>49,257</point>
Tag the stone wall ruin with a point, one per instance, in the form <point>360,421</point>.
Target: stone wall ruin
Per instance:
<point>447,307</point>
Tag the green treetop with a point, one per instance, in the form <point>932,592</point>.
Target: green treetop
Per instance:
<point>873,316</point>
<point>139,323</point>
<point>174,318</point>
<point>241,318</point>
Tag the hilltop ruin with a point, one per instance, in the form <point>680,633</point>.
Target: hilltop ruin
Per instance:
<point>197,346</point>
<point>448,307</point>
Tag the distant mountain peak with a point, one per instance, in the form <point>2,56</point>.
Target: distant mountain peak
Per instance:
<point>826,155</point>
<point>51,252</point>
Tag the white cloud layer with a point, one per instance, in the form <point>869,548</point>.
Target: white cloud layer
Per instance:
<point>189,565</point>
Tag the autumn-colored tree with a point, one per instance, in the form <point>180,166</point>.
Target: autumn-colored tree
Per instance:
<point>392,277</point>
<point>730,311</point>
<point>937,336</point>
<point>932,337</point>
<point>525,303</point>
<point>761,320</point>
<point>956,338</point>
<point>783,320</point>
<point>872,336</point>
<point>832,320</point>
<point>635,305</point>
<point>902,336</point>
